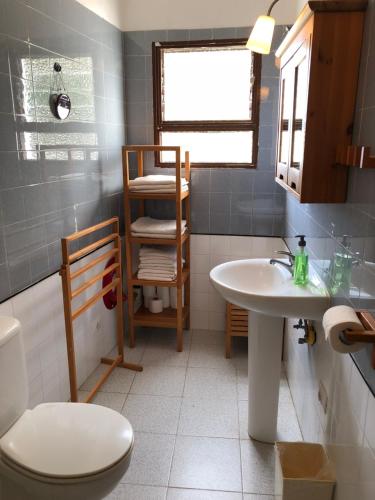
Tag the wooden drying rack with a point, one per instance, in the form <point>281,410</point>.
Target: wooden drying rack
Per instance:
<point>169,318</point>
<point>68,277</point>
<point>367,335</point>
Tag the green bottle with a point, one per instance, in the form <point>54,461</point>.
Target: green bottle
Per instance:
<point>301,263</point>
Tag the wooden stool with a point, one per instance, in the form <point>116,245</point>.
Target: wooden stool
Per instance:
<point>237,326</point>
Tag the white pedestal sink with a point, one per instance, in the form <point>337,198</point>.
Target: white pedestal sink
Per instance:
<point>269,293</point>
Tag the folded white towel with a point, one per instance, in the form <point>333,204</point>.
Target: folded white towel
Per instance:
<point>156,226</point>
<point>171,266</point>
<point>156,259</point>
<point>159,271</point>
<point>155,235</point>
<point>155,277</point>
<point>155,179</point>
<point>170,269</point>
<point>158,251</point>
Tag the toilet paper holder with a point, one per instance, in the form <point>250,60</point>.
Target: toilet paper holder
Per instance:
<point>367,335</point>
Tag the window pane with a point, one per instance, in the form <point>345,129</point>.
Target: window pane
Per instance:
<point>210,147</point>
<point>207,84</point>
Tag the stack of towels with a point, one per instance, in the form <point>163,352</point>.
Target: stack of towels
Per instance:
<point>156,184</point>
<point>156,263</point>
<point>147,227</point>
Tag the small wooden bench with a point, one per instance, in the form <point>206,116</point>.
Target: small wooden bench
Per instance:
<point>236,326</point>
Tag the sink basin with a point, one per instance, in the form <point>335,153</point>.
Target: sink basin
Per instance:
<point>270,295</point>
<point>257,285</point>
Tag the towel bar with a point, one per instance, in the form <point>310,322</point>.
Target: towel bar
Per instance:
<point>367,335</point>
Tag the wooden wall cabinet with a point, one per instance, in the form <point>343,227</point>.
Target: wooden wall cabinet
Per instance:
<point>319,66</point>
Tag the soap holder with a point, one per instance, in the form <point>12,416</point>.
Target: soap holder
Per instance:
<point>367,335</point>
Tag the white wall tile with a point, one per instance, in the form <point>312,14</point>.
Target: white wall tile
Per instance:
<point>220,245</point>
<point>199,301</point>
<point>40,311</point>
<point>200,264</point>
<point>200,244</point>
<point>347,430</point>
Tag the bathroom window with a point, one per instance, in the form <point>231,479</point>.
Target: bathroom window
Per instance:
<point>206,100</point>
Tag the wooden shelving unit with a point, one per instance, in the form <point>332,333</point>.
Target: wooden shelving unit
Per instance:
<point>170,318</point>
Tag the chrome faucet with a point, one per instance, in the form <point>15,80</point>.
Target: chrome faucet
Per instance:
<point>290,266</point>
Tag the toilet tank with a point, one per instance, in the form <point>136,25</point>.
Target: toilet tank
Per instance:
<point>13,378</point>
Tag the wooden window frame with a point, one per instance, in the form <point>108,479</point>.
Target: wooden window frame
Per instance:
<point>209,125</point>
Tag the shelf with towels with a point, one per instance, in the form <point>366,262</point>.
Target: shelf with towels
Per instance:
<point>170,318</point>
<point>159,241</point>
<point>143,195</point>
<point>173,283</point>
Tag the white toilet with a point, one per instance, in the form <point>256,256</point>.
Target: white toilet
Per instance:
<point>57,451</point>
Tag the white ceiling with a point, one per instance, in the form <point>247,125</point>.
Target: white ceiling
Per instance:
<point>131,15</point>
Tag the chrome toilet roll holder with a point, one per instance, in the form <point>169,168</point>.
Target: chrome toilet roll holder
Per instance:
<point>365,336</point>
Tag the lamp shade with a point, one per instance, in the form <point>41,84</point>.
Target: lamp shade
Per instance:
<point>260,39</point>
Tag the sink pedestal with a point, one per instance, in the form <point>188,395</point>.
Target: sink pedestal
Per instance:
<point>265,351</point>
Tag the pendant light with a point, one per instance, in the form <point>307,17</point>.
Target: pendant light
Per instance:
<point>260,38</point>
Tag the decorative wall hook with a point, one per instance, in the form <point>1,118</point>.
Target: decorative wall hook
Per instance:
<point>59,100</point>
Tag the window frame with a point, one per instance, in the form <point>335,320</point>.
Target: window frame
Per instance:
<point>204,125</point>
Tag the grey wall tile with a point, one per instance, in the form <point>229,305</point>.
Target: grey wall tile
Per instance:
<point>55,174</point>
<point>219,222</point>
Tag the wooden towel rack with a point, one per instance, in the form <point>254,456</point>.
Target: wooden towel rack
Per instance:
<point>367,335</point>
<point>355,156</point>
<point>68,277</point>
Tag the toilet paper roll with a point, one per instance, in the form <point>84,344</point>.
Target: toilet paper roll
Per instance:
<point>149,292</point>
<point>173,297</point>
<point>162,293</point>
<point>156,305</point>
<point>335,321</point>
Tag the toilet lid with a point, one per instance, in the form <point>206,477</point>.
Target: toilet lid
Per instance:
<point>68,439</point>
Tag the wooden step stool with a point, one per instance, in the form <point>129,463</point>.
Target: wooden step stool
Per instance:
<point>236,326</point>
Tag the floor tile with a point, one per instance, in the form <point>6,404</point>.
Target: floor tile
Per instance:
<point>242,415</point>
<point>287,424</point>
<point>242,385</point>
<point>151,460</point>
<point>284,394</point>
<point>160,336</point>
<point>164,355</point>
<point>209,418</point>
<point>157,414</point>
<point>113,400</point>
<point>258,467</point>
<point>131,355</point>
<point>206,463</point>
<point>208,337</point>
<point>182,494</point>
<point>120,380</point>
<point>202,383</point>
<point>138,492</point>
<point>159,381</point>
<point>208,356</point>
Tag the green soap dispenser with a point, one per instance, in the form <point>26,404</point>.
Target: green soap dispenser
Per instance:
<point>301,263</point>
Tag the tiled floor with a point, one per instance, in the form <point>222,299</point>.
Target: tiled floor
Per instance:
<point>189,414</point>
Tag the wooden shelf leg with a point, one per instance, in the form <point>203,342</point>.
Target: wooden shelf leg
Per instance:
<point>130,316</point>
<point>180,329</point>
<point>187,303</point>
